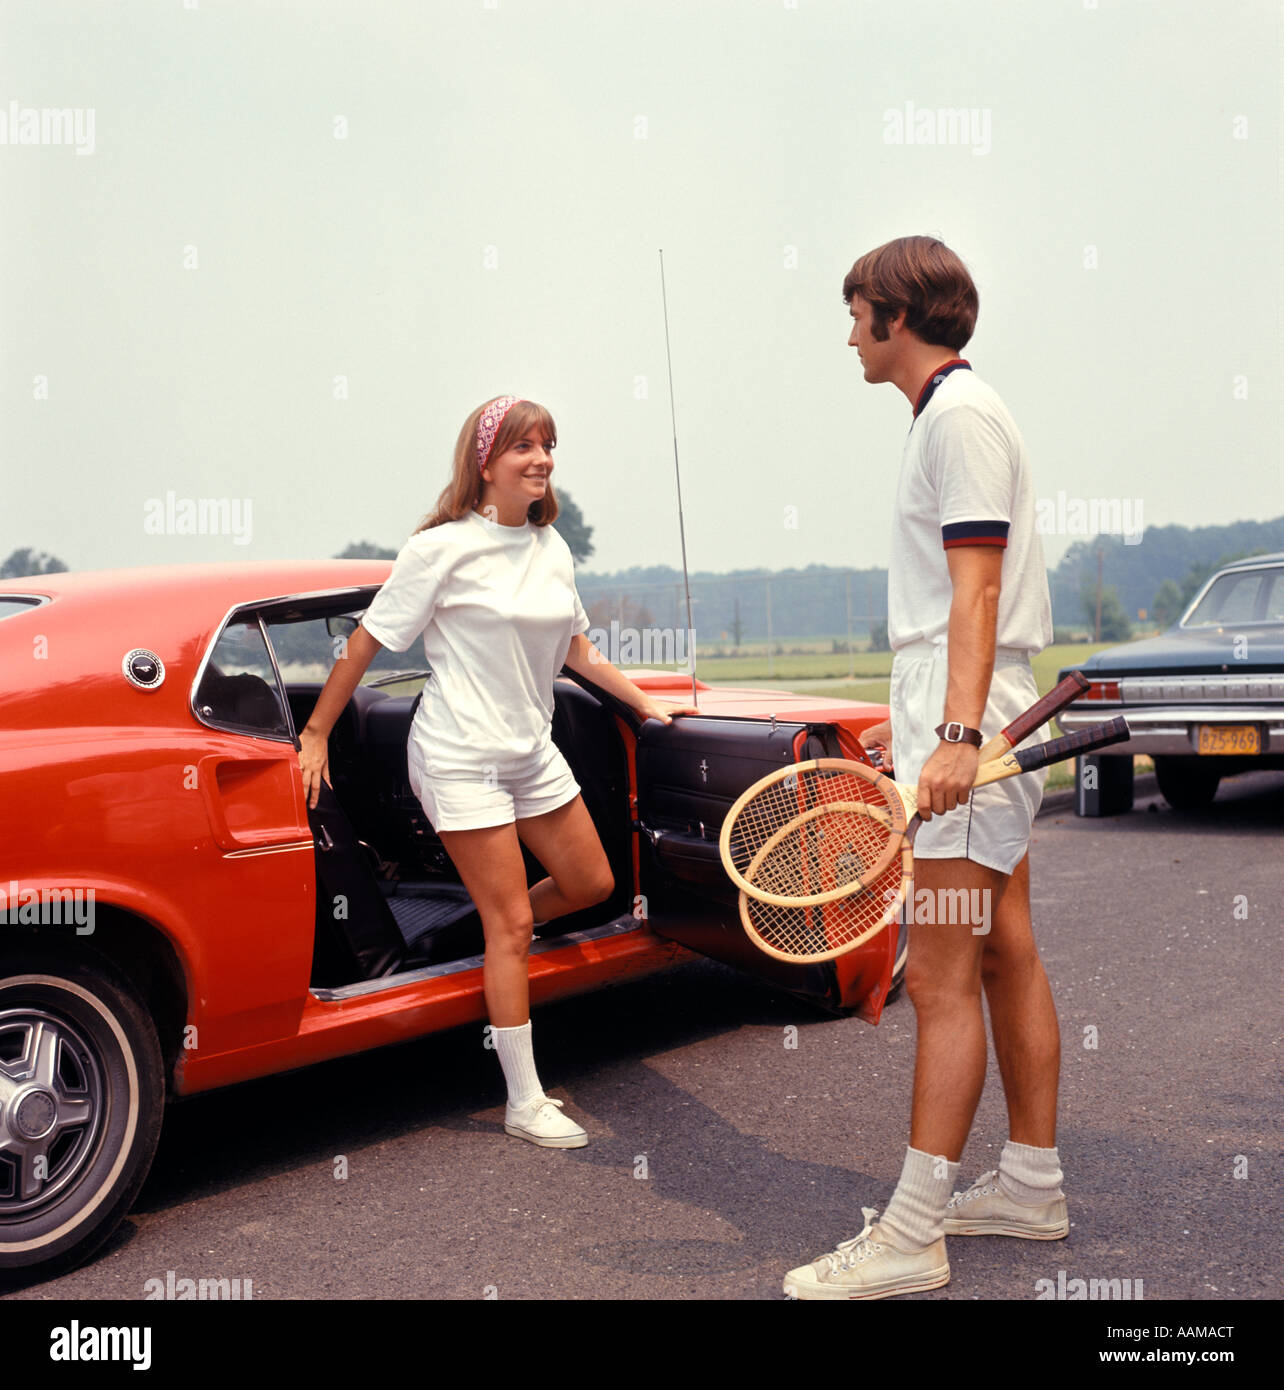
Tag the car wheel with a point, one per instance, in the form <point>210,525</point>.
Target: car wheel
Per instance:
<point>1187,783</point>
<point>82,1092</point>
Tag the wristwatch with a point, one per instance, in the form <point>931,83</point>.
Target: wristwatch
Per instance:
<point>954,732</point>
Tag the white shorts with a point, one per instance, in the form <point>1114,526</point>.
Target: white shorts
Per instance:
<point>493,796</point>
<point>994,827</point>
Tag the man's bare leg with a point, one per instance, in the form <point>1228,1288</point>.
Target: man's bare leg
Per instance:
<point>1027,1039</point>
<point>943,981</point>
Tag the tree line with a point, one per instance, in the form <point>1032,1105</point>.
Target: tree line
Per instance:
<point>1156,577</point>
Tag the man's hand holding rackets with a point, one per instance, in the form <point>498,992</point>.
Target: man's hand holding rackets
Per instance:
<point>947,778</point>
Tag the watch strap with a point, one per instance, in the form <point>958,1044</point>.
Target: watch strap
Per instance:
<point>955,732</point>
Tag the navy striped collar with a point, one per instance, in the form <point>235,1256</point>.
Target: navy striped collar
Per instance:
<point>938,376</point>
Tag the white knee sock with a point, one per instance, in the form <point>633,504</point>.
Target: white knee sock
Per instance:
<point>518,1062</point>
<point>915,1216</point>
<point>1030,1175</point>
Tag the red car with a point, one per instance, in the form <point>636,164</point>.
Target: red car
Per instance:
<point>176,919</point>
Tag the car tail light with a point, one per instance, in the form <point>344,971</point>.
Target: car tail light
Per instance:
<point>1101,690</point>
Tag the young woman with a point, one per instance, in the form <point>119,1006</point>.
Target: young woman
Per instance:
<point>490,585</point>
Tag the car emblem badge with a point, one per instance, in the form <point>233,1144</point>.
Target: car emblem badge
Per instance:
<point>143,668</point>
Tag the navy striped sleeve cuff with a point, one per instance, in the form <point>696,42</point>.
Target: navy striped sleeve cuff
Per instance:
<point>974,533</point>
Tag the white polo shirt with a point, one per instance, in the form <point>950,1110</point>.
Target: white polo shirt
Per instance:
<point>497,608</point>
<point>964,480</point>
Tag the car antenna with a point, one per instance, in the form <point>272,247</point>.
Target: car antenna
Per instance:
<point>682,533</point>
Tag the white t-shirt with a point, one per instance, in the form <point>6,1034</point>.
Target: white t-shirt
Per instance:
<point>965,480</point>
<point>497,608</point>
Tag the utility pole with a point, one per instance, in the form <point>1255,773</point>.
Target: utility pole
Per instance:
<point>1100,554</point>
<point>771,656</point>
<point>851,652</point>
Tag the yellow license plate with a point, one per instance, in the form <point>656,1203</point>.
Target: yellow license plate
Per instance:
<point>1229,738</point>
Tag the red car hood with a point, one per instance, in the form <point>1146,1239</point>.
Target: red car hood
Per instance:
<point>749,702</point>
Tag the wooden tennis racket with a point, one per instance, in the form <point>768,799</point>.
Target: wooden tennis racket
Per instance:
<point>739,826</point>
<point>822,851</point>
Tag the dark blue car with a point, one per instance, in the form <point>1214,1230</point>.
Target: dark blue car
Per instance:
<point>1204,699</point>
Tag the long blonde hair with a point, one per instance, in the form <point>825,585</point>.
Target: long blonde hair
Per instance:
<point>463,492</point>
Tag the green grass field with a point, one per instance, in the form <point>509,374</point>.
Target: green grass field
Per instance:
<point>814,668</point>
<point>828,671</point>
<point>806,670</point>
<point>751,664</point>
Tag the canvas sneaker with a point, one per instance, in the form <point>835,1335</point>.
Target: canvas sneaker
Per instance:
<point>986,1209</point>
<point>870,1266</point>
<point>539,1121</point>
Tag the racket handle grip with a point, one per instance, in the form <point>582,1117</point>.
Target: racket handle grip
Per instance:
<point>1061,695</point>
<point>1083,741</point>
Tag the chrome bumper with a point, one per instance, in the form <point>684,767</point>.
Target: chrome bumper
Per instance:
<point>1173,730</point>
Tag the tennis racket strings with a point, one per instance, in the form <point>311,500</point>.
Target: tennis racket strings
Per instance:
<point>816,833</point>
<point>822,931</point>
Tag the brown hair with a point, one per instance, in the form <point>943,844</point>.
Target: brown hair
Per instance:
<point>463,492</point>
<point>925,278</point>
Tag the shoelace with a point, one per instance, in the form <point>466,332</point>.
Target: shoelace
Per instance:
<point>979,1188</point>
<point>540,1102</point>
<point>859,1248</point>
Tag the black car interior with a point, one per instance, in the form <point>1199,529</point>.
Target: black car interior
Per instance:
<point>388,897</point>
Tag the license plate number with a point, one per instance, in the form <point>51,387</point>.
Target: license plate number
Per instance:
<point>1229,738</point>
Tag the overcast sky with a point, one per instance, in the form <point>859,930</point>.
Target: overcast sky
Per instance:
<point>294,242</point>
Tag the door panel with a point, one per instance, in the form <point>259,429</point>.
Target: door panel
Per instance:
<point>689,774</point>
<point>693,769</point>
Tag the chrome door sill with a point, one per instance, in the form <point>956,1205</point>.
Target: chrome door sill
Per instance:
<point>618,927</point>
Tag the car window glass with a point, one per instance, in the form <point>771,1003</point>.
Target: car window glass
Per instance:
<point>9,605</point>
<point>306,651</point>
<point>1232,599</point>
<point>1273,611</point>
<point>239,690</point>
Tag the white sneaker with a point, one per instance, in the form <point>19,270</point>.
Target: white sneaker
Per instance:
<point>870,1266</point>
<point>539,1122</point>
<point>987,1209</point>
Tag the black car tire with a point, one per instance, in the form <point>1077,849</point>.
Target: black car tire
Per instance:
<point>1103,785</point>
<point>1188,784</point>
<point>101,1075</point>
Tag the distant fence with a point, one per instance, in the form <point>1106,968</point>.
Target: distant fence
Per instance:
<point>743,608</point>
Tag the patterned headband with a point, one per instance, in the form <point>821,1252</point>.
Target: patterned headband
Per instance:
<point>488,426</point>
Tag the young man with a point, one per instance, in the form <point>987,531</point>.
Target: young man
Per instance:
<point>967,606</point>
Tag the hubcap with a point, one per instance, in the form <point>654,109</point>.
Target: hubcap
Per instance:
<point>52,1108</point>
<point>34,1115</point>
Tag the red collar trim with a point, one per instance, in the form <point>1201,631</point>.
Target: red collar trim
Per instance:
<point>925,394</point>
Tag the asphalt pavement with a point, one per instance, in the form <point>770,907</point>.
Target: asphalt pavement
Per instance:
<point>721,1154</point>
